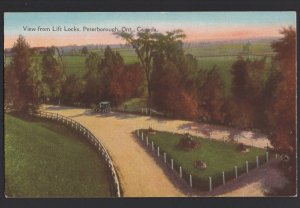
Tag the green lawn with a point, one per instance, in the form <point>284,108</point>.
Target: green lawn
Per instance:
<point>218,155</point>
<point>45,159</point>
<point>134,104</point>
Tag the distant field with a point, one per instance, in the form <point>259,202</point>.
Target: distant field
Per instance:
<point>228,48</point>
<point>75,64</point>
<point>220,55</point>
<point>51,162</point>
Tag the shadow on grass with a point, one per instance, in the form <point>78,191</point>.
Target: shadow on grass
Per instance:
<point>24,116</point>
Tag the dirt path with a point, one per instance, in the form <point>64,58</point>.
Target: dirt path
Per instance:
<point>139,174</point>
<point>256,183</point>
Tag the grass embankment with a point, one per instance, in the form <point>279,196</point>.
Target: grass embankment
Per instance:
<point>44,159</point>
<point>218,155</point>
<point>133,105</point>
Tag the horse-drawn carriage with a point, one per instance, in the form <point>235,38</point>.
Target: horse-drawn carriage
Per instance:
<point>103,107</point>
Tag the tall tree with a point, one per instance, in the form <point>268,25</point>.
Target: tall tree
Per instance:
<point>72,90</point>
<point>211,95</point>
<point>24,77</point>
<point>173,87</point>
<point>282,112</point>
<point>53,73</point>
<point>247,86</point>
<point>147,44</point>
<point>92,79</point>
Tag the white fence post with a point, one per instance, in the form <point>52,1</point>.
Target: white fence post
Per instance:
<point>165,157</point>
<point>157,151</point>
<point>210,184</point>
<point>223,177</point>
<point>172,164</point>
<point>267,156</point>
<point>191,181</point>
<point>180,172</point>
<point>276,155</point>
<point>257,163</point>
<point>152,146</point>
<point>142,136</point>
<point>247,167</point>
<point>236,173</point>
<point>147,140</point>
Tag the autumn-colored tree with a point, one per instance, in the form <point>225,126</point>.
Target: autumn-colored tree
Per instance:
<point>125,83</point>
<point>170,94</point>
<point>132,79</point>
<point>25,79</point>
<point>282,112</point>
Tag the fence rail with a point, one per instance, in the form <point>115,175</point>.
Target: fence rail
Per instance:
<point>194,181</point>
<point>91,137</point>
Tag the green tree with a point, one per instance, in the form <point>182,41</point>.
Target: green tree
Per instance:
<point>72,90</point>
<point>92,79</point>
<point>25,78</point>
<point>148,44</point>
<point>211,95</point>
<point>53,73</point>
<point>247,86</point>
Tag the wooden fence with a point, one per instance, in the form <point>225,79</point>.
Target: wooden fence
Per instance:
<point>93,139</point>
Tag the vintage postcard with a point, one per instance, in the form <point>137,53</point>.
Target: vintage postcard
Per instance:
<point>149,104</point>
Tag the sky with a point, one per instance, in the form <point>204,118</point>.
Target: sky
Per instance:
<point>198,26</point>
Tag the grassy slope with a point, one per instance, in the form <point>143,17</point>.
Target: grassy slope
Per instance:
<point>218,156</point>
<point>134,104</point>
<point>43,159</point>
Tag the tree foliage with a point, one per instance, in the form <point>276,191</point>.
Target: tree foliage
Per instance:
<point>24,86</point>
<point>282,112</point>
<point>148,44</point>
<point>53,73</point>
<point>108,78</point>
<point>211,95</point>
<point>247,87</point>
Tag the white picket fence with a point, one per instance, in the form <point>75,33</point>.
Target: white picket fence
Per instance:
<point>158,152</point>
<point>92,138</point>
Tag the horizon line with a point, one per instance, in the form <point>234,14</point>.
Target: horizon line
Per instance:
<point>123,43</point>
